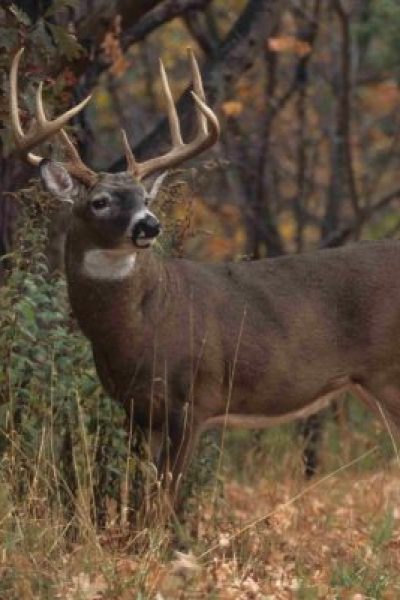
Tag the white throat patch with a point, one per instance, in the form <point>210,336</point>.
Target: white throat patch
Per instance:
<point>108,265</point>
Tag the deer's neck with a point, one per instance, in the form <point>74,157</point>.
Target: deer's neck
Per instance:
<point>114,286</point>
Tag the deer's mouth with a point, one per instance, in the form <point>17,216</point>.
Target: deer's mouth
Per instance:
<point>142,243</point>
<point>140,240</point>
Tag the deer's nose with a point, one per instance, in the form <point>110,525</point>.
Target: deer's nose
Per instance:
<point>148,227</point>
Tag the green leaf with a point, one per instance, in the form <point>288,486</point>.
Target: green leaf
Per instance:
<point>40,38</point>
<point>26,333</point>
<point>66,43</point>
<point>20,15</point>
<point>8,38</point>
<point>55,7</point>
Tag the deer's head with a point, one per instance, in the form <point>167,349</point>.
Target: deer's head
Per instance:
<point>114,211</point>
<point>112,208</point>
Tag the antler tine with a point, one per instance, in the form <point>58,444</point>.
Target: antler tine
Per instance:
<point>171,109</point>
<point>40,114</point>
<point>16,126</point>
<point>14,112</point>
<point>207,135</point>
<point>74,164</point>
<point>198,89</point>
<point>34,159</point>
<point>42,129</point>
<point>130,158</point>
<point>210,119</point>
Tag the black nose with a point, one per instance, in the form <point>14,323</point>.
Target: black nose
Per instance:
<point>148,227</point>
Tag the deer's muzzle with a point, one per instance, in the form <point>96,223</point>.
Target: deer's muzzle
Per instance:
<point>145,231</point>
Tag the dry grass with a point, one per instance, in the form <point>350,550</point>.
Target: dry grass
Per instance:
<point>269,535</point>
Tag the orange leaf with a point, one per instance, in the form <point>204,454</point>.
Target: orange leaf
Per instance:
<point>232,108</point>
<point>289,44</point>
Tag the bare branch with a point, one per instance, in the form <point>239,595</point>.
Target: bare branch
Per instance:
<point>159,15</point>
<point>342,235</point>
<point>235,54</point>
<point>197,27</point>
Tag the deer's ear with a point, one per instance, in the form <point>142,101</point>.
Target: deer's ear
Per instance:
<point>55,178</point>
<point>152,194</point>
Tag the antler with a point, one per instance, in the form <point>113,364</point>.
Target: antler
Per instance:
<point>43,129</point>
<point>207,135</point>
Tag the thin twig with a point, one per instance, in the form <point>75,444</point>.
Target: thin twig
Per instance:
<point>389,429</point>
<point>338,237</point>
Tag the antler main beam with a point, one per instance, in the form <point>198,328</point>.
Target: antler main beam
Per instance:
<point>207,124</point>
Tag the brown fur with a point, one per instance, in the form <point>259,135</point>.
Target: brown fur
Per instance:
<point>189,341</point>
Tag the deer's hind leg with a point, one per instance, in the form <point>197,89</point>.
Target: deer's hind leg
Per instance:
<point>384,401</point>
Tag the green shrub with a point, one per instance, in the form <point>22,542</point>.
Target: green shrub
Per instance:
<point>57,428</point>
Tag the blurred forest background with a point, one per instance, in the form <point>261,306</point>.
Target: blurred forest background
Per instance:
<point>307,92</point>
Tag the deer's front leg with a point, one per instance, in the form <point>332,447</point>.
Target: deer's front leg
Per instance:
<point>181,435</point>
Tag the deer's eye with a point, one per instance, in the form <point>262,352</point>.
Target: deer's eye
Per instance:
<point>99,204</point>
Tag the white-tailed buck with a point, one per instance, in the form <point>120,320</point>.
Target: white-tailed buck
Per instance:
<point>186,345</point>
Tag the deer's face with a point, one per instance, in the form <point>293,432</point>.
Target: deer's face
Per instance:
<point>115,210</point>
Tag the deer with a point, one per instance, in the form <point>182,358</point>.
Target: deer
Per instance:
<point>185,346</point>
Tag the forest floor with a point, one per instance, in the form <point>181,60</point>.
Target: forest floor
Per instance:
<point>262,533</point>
